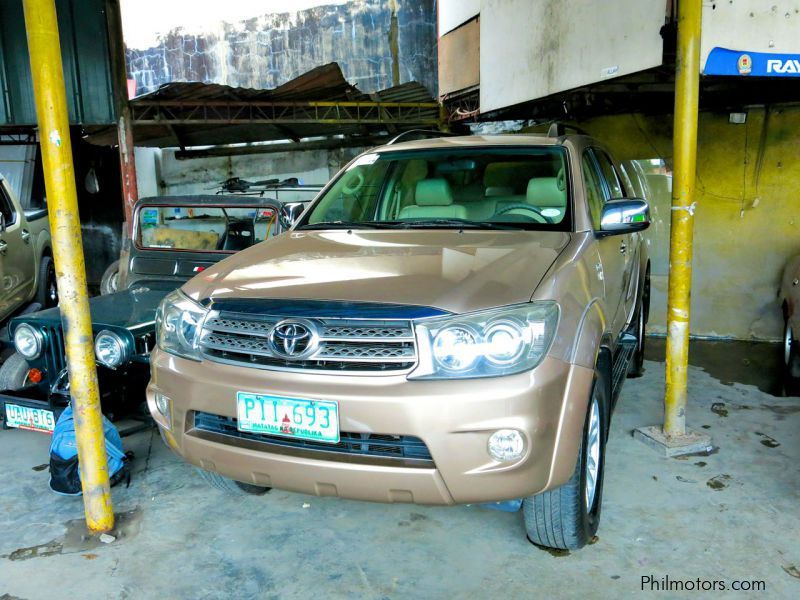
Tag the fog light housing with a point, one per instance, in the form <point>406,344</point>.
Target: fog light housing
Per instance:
<point>163,403</point>
<point>506,444</point>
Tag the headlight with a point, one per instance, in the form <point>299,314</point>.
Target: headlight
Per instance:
<point>489,343</point>
<point>28,341</point>
<point>178,323</point>
<point>110,349</point>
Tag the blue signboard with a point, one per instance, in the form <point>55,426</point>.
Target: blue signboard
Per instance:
<point>722,61</point>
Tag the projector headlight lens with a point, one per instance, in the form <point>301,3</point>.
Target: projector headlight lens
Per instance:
<point>110,349</point>
<point>501,341</point>
<point>28,341</point>
<point>455,348</point>
<point>178,324</point>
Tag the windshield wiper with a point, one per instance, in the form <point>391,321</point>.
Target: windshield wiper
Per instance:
<point>452,223</point>
<point>344,225</point>
<point>411,224</point>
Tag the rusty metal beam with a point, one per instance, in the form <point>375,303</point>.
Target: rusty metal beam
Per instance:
<point>119,85</point>
<point>50,97</point>
<point>687,92</point>
<point>154,112</point>
<point>329,144</point>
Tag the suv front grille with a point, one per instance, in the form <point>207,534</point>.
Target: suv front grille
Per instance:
<point>352,345</point>
<point>401,447</point>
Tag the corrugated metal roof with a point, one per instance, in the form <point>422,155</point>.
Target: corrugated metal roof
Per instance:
<point>202,114</point>
<point>321,83</point>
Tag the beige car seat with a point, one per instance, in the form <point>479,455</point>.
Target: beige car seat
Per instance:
<point>434,200</point>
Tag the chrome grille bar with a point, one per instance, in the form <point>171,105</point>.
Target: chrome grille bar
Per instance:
<point>344,345</point>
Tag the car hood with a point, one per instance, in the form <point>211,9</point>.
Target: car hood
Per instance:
<point>128,309</point>
<point>450,270</point>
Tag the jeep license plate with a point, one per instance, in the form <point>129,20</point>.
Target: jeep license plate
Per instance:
<point>316,420</point>
<point>25,417</point>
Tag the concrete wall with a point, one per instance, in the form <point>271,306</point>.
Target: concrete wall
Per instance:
<point>530,50</point>
<point>747,221</point>
<point>377,43</point>
<point>148,171</point>
<point>160,173</point>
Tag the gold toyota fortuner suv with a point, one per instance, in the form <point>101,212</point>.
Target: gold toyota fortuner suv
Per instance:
<point>450,321</point>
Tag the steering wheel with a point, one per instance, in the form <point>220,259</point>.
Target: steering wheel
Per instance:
<point>540,217</point>
<point>353,183</point>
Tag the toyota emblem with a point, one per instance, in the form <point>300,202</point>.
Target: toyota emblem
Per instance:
<point>293,339</point>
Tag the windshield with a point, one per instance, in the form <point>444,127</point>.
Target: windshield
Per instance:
<point>488,188</point>
<point>204,228</point>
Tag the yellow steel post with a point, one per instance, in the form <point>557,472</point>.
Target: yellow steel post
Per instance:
<point>687,86</point>
<point>51,110</point>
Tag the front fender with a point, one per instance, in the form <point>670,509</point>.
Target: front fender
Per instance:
<point>592,334</point>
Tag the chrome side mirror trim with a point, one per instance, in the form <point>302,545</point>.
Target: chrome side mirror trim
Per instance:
<point>290,213</point>
<point>625,215</point>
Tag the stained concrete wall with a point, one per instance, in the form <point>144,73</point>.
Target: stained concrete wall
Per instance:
<point>747,221</point>
<point>160,173</point>
<point>377,43</point>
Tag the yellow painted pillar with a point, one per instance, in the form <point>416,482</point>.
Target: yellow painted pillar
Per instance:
<point>687,86</point>
<point>59,176</point>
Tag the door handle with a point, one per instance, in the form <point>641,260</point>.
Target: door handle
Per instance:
<point>623,247</point>
<point>3,247</point>
<point>26,236</point>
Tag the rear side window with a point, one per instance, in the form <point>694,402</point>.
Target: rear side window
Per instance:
<point>609,173</point>
<point>595,195</point>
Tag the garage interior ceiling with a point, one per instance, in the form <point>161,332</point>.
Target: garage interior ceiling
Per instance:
<point>319,103</point>
<point>651,91</point>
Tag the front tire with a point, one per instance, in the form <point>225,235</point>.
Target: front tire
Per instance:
<point>109,282</point>
<point>14,373</point>
<point>567,517</point>
<point>231,486</point>
<point>791,351</point>
<point>642,312</point>
<point>47,292</point>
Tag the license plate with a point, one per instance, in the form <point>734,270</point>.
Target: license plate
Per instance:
<point>316,420</point>
<point>35,419</point>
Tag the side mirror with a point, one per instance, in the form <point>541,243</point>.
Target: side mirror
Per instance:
<point>289,214</point>
<point>624,216</point>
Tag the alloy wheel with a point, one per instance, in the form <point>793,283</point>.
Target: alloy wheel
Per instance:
<point>52,287</point>
<point>788,336</point>
<point>592,454</point>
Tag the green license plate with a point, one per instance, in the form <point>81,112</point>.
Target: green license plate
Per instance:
<point>25,417</point>
<point>316,420</point>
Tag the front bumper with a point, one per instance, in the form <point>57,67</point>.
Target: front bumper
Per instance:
<point>454,419</point>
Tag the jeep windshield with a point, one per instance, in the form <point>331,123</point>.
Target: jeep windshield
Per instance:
<point>478,188</point>
<point>204,228</point>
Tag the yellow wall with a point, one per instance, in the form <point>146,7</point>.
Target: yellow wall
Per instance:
<point>748,214</point>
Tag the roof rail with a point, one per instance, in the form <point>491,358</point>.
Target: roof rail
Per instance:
<point>422,133</point>
<point>558,129</point>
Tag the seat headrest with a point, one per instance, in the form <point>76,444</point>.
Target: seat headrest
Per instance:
<point>546,191</point>
<point>433,192</point>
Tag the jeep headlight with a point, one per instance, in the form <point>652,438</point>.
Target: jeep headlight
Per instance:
<point>178,323</point>
<point>28,341</point>
<point>489,343</point>
<point>110,349</point>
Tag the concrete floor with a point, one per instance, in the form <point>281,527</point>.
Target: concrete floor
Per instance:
<point>729,516</point>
